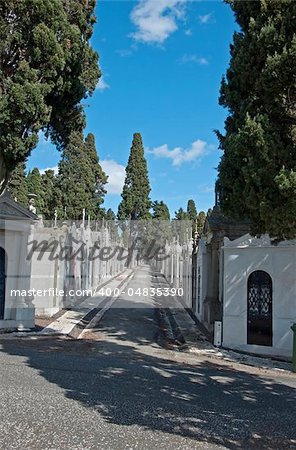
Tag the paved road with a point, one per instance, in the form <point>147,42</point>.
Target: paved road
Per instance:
<point>122,391</point>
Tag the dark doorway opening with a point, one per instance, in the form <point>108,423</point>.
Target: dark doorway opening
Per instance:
<point>260,308</point>
<point>2,281</point>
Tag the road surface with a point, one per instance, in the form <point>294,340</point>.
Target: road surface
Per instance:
<point>121,390</point>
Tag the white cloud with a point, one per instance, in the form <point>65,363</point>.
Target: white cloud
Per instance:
<point>124,52</point>
<point>207,18</point>
<point>156,20</point>
<point>55,169</point>
<point>179,155</point>
<point>194,59</point>
<point>102,85</point>
<point>188,32</point>
<point>116,174</point>
<point>203,61</point>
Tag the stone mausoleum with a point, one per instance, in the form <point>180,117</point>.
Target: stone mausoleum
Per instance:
<point>16,311</point>
<point>208,265</point>
<point>248,284</point>
<point>259,295</point>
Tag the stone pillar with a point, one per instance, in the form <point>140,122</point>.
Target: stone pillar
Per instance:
<point>212,305</point>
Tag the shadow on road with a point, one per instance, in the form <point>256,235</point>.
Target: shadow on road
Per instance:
<point>204,401</point>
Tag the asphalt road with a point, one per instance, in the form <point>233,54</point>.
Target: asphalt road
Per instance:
<point>122,391</point>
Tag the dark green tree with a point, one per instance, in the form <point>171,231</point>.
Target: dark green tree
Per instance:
<point>181,214</point>
<point>182,226</point>
<point>46,68</point>
<point>191,210</point>
<point>257,172</point>
<point>160,211</point>
<point>18,185</point>
<point>110,215</point>
<point>98,178</point>
<point>35,186</point>
<point>135,202</point>
<point>192,215</point>
<point>110,221</point>
<point>76,181</point>
<point>200,222</point>
<point>50,189</point>
<point>160,230</point>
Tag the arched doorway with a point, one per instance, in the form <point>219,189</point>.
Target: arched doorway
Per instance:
<point>2,281</point>
<point>260,308</point>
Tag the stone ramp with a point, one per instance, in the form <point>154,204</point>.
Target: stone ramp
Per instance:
<point>64,324</point>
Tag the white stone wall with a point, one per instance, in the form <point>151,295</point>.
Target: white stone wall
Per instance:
<point>177,268</point>
<point>19,310</point>
<point>77,274</point>
<point>49,273</point>
<point>242,257</point>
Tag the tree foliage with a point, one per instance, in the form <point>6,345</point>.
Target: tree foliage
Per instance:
<point>99,178</point>
<point>192,215</point>
<point>46,68</point>
<point>200,222</point>
<point>191,210</point>
<point>81,179</point>
<point>36,188</point>
<point>50,194</point>
<point>160,211</point>
<point>110,215</point>
<point>181,214</point>
<point>135,202</point>
<point>257,172</point>
<point>18,185</point>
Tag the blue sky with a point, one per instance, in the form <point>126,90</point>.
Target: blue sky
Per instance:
<point>162,63</point>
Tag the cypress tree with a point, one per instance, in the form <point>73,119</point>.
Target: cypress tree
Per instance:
<point>135,202</point>
<point>75,180</point>
<point>99,178</point>
<point>35,186</point>
<point>201,218</point>
<point>160,230</point>
<point>110,215</point>
<point>49,183</point>
<point>160,211</point>
<point>18,185</point>
<point>181,214</point>
<point>257,172</point>
<point>192,215</point>
<point>191,210</point>
<point>110,219</point>
<point>181,226</point>
<point>47,67</point>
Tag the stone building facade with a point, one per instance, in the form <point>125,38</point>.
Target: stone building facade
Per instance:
<point>248,284</point>
<point>259,295</point>
<point>208,265</point>
<point>16,308</point>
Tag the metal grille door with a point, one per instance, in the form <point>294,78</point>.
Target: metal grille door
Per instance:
<point>260,308</point>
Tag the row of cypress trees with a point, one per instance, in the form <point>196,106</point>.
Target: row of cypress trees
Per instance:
<point>81,183</point>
